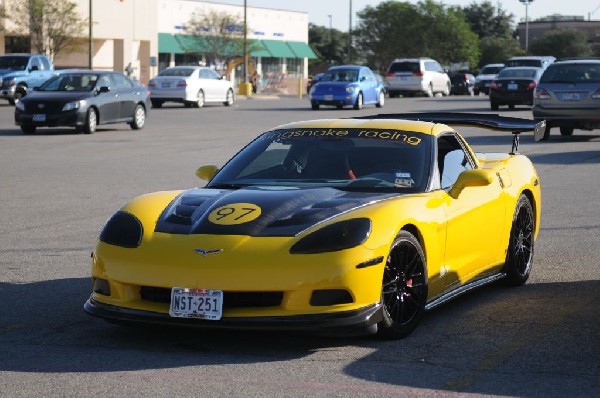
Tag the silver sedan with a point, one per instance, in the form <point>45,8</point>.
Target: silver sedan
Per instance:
<point>191,85</point>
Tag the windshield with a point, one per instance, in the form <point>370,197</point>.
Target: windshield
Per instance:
<point>179,72</point>
<point>524,62</point>
<point>72,82</point>
<point>352,159</point>
<point>340,75</point>
<point>517,74</point>
<point>572,73</point>
<point>491,70</point>
<point>13,63</point>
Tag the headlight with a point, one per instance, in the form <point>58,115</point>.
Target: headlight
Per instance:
<point>20,106</point>
<point>312,90</point>
<point>350,89</point>
<point>73,105</point>
<point>334,237</point>
<point>122,229</point>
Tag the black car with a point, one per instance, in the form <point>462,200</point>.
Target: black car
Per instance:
<point>462,83</point>
<point>83,99</point>
<point>514,86</point>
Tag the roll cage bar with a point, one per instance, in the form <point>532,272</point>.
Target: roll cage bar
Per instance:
<point>488,121</point>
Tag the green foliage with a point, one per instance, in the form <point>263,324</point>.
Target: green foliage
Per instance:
<point>395,29</point>
<point>496,50</point>
<point>487,21</point>
<point>51,24</point>
<point>330,45</point>
<point>562,43</point>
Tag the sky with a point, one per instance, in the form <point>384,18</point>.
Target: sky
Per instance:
<point>318,10</point>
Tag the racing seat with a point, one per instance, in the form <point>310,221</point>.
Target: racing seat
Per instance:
<point>327,163</point>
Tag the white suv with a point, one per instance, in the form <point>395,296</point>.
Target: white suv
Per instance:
<point>417,75</point>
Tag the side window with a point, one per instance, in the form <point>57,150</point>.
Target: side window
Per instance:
<point>213,75</point>
<point>35,62</point>
<point>207,74</point>
<point>428,66</point>
<point>452,160</point>
<point>45,63</point>
<point>121,81</point>
<point>103,81</point>
<point>438,68</point>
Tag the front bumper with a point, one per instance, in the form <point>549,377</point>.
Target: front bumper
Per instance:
<point>333,100</point>
<point>7,93</point>
<point>74,118</point>
<point>346,322</point>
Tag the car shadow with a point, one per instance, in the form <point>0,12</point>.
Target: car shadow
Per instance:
<point>493,330</point>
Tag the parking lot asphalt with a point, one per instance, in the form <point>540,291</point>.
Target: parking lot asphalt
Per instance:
<point>57,188</point>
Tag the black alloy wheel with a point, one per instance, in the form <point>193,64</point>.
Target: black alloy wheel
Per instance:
<point>519,256</point>
<point>404,287</point>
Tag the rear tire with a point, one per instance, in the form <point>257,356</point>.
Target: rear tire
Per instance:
<point>429,92</point>
<point>156,104</point>
<point>494,105</point>
<point>566,131</point>
<point>229,98</point>
<point>404,287</point>
<point>139,118</point>
<point>519,255</point>
<point>381,102</point>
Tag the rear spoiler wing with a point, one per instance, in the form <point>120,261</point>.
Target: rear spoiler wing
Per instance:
<point>489,121</point>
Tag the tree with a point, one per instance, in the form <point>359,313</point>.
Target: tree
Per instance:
<point>395,29</point>
<point>217,35</point>
<point>562,43</point>
<point>487,21</point>
<point>51,24</point>
<point>496,50</point>
<point>330,45</point>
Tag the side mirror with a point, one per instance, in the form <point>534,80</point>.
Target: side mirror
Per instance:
<point>104,89</point>
<point>539,131</point>
<point>471,178</point>
<point>207,172</point>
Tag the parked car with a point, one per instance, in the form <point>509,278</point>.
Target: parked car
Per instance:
<point>417,76</point>
<point>530,60</point>
<point>381,80</point>
<point>462,83</point>
<point>190,85</point>
<point>484,78</point>
<point>347,85</point>
<point>84,100</point>
<point>514,86</point>
<point>21,72</point>
<point>568,96</point>
<point>346,226</point>
<point>312,81</point>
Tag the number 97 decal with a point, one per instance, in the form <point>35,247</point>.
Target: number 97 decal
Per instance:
<point>235,213</point>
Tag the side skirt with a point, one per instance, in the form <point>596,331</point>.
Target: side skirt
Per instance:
<point>461,290</point>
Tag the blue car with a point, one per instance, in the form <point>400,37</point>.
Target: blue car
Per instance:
<point>347,85</point>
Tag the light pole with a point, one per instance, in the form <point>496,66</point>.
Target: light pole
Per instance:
<point>526,2</point>
<point>350,35</point>
<point>90,38</point>
<point>330,40</point>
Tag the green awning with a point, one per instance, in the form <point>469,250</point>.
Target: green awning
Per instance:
<point>278,49</point>
<point>258,49</point>
<point>180,44</point>
<point>168,44</point>
<point>302,50</point>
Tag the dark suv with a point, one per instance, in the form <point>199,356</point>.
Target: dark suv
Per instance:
<point>568,96</point>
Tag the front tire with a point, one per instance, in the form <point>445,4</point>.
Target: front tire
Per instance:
<point>494,105</point>
<point>404,287</point>
<point>519,256</point>
<point>314,106</point>
<point>28,129</point>
<point>91,122</point>
<point>429,91</point>
<point>200,100</point>
<point>20,92</point>
<point>359,102</point>
<point>139,118</point>
<point>566,131</point>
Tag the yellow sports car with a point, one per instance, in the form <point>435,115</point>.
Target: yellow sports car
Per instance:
<point>350,226</point>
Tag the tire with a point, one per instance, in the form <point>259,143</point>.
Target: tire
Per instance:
<point>511,107</point>
<point>566,131</point>
<point>28,129</point>
<point>546,135</point>
<point>339,107</point>
<point>381,101</point>
<point>156,104</point>
<point>519,255</point>
<point>494,105</point>
<point>359,102</point>
<point>404,287</point>
<point>20,92</point>
<point>229,98</point>
<point>11,101</point>
<point>446,92</point>
<point>200,100</point>
<point>475,92</point>
<point>314,106</point>
<point>429,92</point>
<point>139,118</point>
<point>91,121</point>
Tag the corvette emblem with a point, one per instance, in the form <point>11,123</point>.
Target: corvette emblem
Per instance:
<point>207,252</point>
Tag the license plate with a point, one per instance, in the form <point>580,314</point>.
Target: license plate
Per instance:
<point>39,117</point>
<point>196,303</point>
<point>165,85</point>
<point>329,98</point>
<point>512,86</point>
<point>570,97</point>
